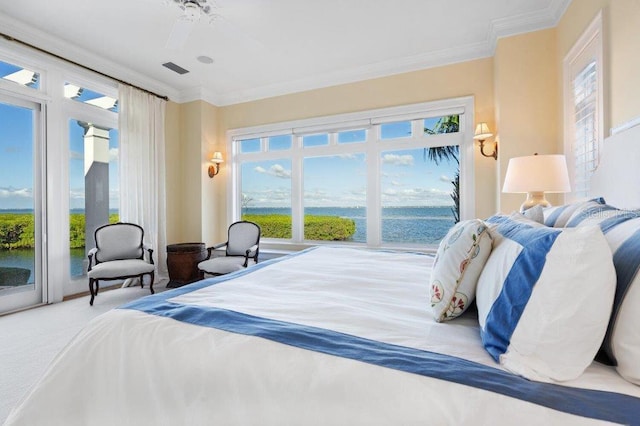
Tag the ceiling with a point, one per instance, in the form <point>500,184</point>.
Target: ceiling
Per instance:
<point>264,48</point>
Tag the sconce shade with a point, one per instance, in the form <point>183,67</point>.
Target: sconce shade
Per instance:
<point>482,132</point>
<point>537,173</point>
<point>217,157</point>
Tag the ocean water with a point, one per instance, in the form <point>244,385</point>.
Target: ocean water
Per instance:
<point>414,225</point>
<point>417,225</point>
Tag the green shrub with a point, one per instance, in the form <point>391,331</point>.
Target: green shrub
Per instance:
<point>22,226</point>
<point>319,228</point>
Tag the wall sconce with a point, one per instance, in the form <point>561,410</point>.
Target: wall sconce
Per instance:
<point>535,175</point>
<point>214,168</point>
<point>481,134</point>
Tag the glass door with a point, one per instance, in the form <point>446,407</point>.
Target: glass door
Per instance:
<point>21,192</point>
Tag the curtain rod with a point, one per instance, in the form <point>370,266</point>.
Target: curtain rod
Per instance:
<point>39,49</point>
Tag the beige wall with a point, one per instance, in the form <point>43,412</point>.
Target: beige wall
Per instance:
<point>191,137</point>
<point>526,84</point>
<point>518,92</point>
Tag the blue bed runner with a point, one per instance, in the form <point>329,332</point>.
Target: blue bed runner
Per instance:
<point>608,406</point>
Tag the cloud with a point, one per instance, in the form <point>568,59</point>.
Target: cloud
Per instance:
<point>445,178</point>
<point>276,170</point>
<point>398,160</point>
<point>75,155</point>
<point>348,156</point>
<point>273,197</point>
<point>113,154</point>
<point>8,192</point>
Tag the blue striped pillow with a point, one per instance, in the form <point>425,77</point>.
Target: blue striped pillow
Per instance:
<point>621,229</point>
<point>558,217</point>
<point>544,297</point>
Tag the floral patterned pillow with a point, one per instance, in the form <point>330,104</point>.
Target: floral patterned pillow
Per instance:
<point>456,268</point>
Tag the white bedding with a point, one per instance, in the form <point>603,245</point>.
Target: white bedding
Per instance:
<point>140,366</point>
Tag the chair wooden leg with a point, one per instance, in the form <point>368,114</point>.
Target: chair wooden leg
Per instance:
<point>151,283</point>
<point>91,290</point>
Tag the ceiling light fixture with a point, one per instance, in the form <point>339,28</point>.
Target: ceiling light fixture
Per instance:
<point>194,9</point>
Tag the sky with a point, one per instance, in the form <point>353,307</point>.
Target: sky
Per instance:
<point>408,179</point>
<point>17,156</point>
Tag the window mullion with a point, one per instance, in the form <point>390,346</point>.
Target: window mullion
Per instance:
<point>374,203</point>
<point>297,190</point>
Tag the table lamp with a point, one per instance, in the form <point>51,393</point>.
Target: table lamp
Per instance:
<point>535,175</point>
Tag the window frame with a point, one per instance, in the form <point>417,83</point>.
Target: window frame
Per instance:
<point>588,48</point>
<point>372,148</point>
<point>56,111</point>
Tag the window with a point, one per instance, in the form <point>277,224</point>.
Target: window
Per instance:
<point>335,202</point>
<point>265,197</point>
<point>89,97</point>
<point>390,177</point>
<point>583,111</point>
<point>19,75</point>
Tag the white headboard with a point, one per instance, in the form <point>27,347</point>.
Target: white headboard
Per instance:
<point>617,178</point>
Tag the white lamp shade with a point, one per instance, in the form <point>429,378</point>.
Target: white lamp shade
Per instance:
<point>482,132</point>
<point>217,157</point>
<point>537,173</point>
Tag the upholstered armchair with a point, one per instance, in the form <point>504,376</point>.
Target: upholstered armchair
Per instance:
<point>119,254</point>
<point>242,249</point>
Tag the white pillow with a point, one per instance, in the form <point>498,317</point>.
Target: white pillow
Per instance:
<point>544,297</point>
<point>621,229</point>
<point>459,261</point>
<point>535,213</point>
<point>559,216</point>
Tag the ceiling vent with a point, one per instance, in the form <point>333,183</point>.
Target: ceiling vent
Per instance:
<point>175,68</point>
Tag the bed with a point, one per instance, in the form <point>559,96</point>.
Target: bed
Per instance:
<point>327,336</point>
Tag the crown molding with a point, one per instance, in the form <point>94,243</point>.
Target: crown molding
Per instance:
<point>528,22</point>
<point>68,50</point>
<point>352,75</point>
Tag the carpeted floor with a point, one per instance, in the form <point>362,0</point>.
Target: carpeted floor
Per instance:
<point>29,340</point>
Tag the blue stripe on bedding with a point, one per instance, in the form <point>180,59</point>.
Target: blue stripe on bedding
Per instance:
<point>506,311</point>
<point>553,217</point>
<point>627,264</point>
<point>594,404</point>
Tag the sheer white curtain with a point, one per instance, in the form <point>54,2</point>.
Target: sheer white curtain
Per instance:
<point>142,168</point>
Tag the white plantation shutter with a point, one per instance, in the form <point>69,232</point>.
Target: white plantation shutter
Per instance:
<point>583,111</point>
<point>586,143</point>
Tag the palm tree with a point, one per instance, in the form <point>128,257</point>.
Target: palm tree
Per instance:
<point>448,124</point>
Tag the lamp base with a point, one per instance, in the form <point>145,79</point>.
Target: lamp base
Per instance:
<point>534,199</point>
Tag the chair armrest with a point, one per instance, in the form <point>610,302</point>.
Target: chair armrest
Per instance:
<point>149,250</point>
<point>90,255</point>
<point>214,247</point>
<point>252,251</point>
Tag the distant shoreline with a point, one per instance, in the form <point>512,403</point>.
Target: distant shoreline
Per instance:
<point>75,211</point>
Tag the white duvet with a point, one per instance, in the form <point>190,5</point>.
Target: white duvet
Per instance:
<point>128,367</point>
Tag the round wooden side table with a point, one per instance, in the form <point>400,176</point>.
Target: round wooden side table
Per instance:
<point>182,263</point>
